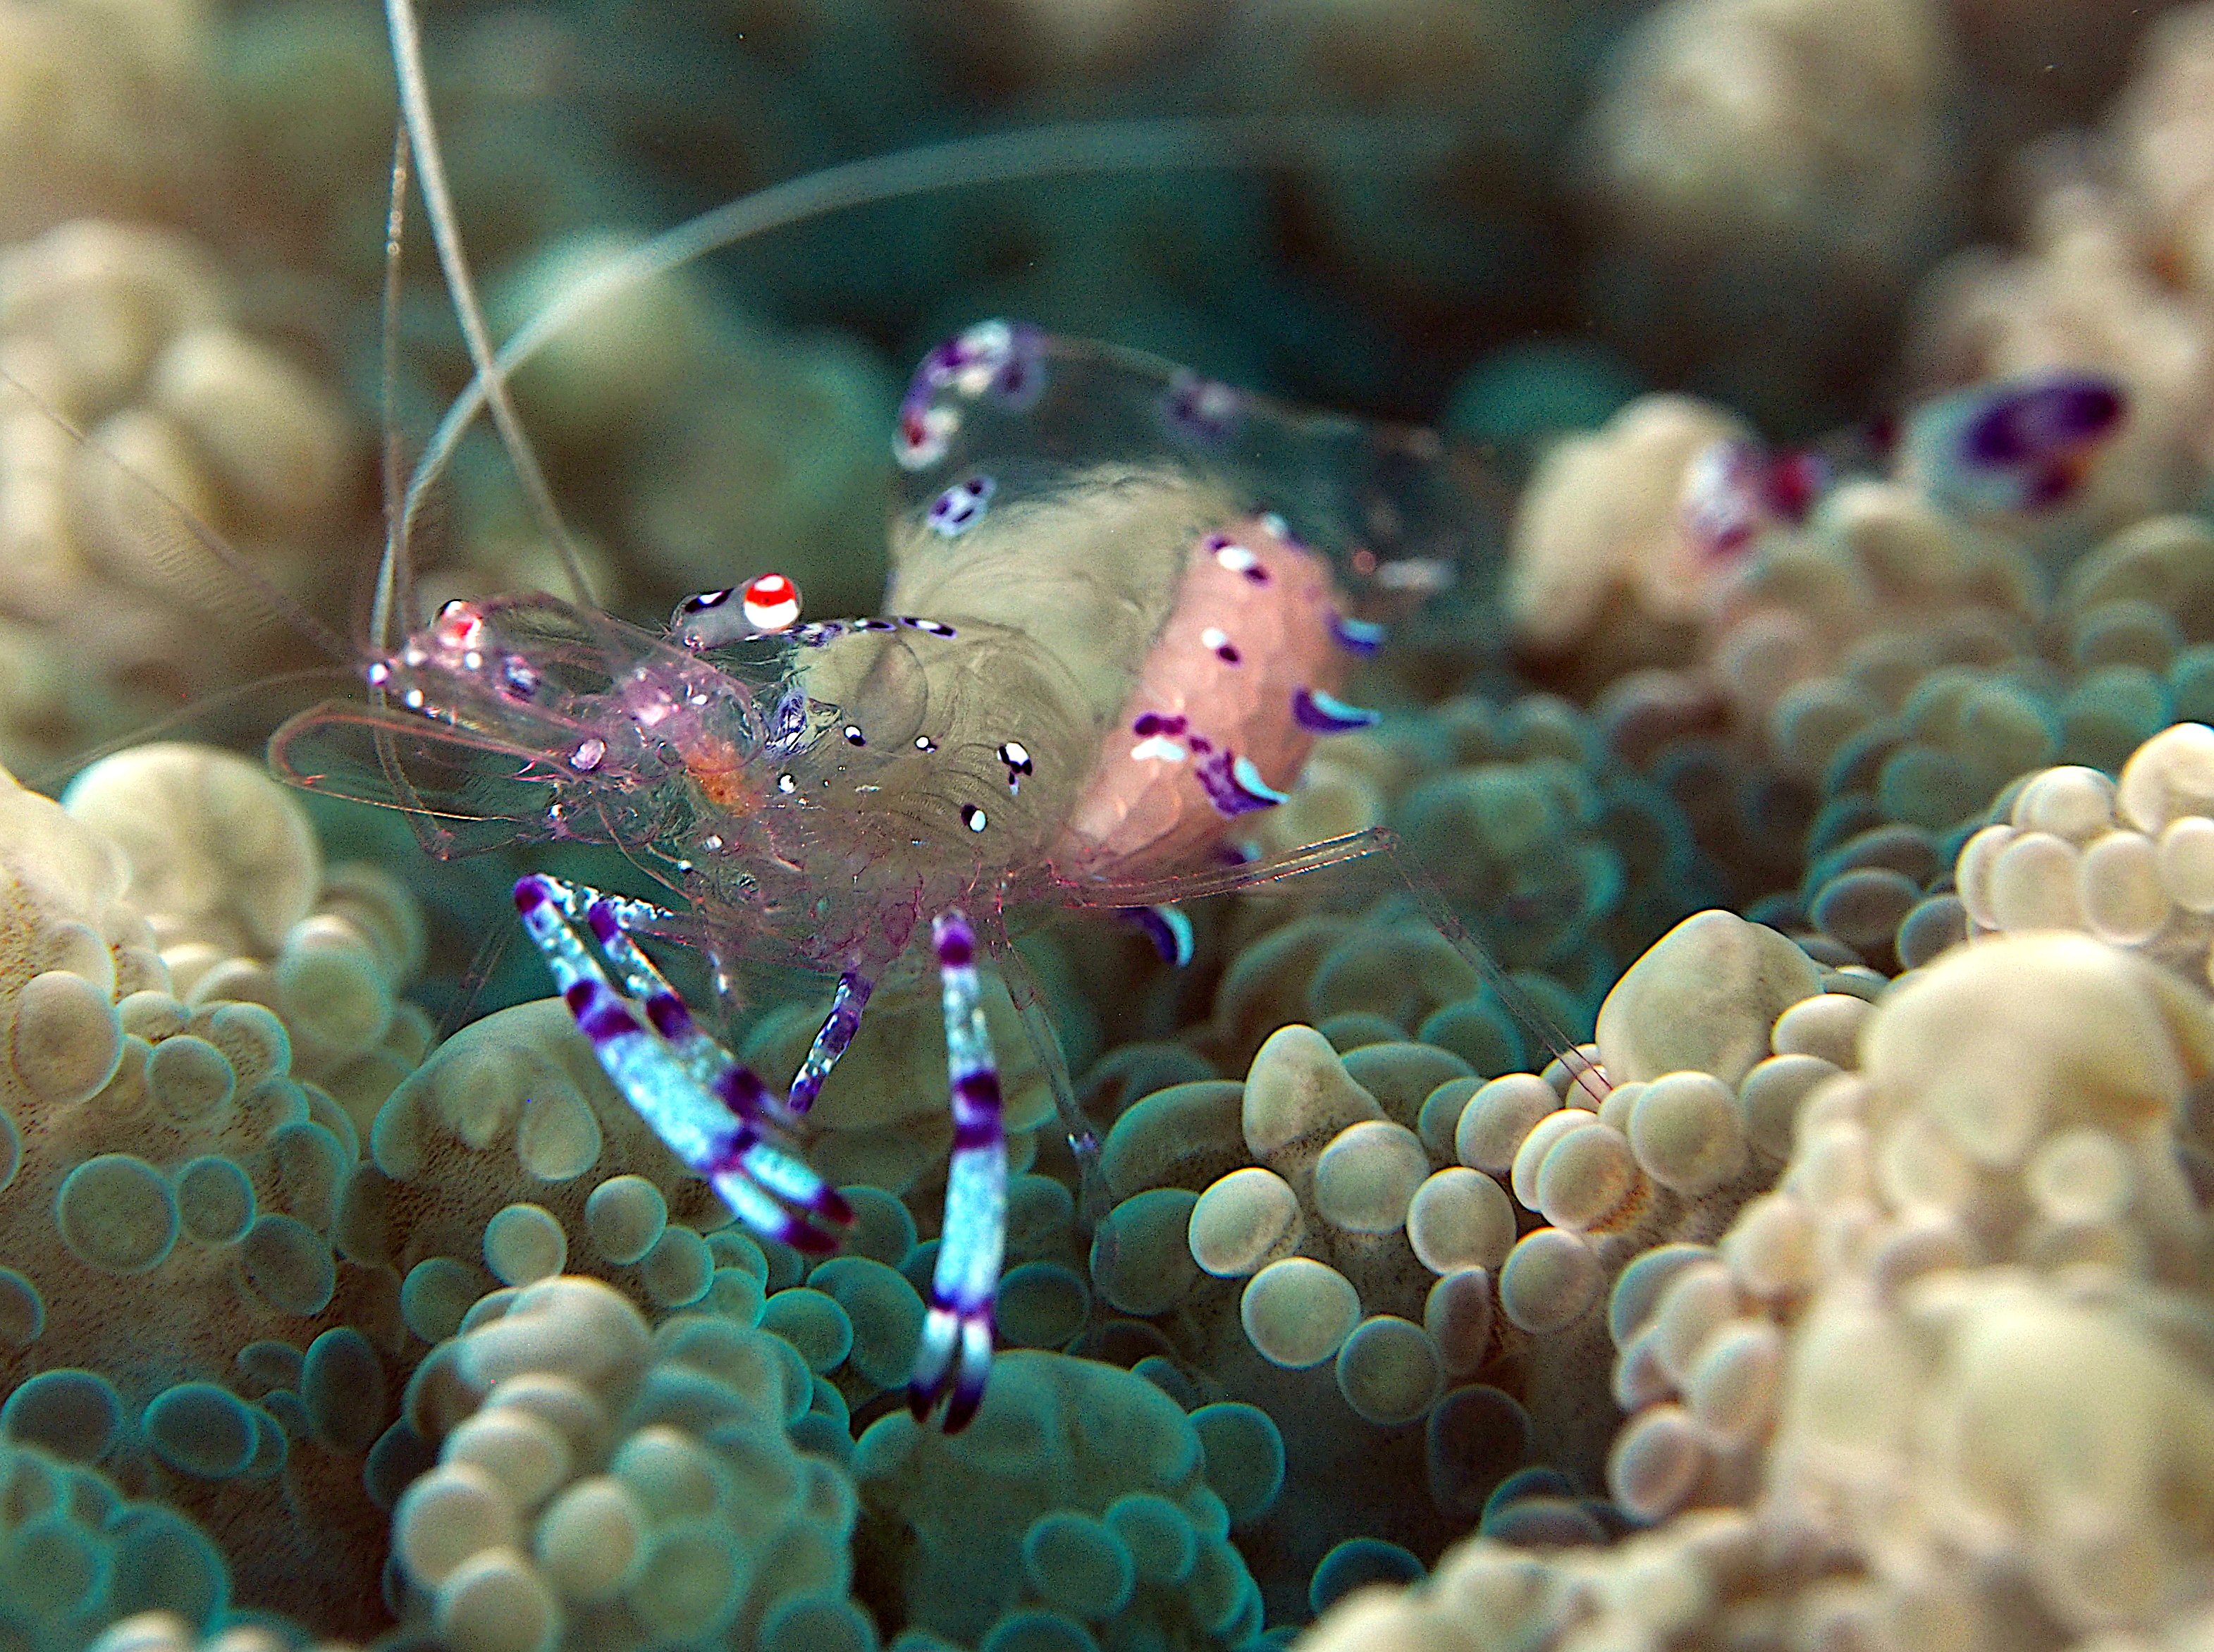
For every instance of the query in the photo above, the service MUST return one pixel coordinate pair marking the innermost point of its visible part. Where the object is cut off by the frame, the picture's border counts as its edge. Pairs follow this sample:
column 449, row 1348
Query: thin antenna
column 396, row 573
column 998, row 158
column 446, row 232
column 236, row 560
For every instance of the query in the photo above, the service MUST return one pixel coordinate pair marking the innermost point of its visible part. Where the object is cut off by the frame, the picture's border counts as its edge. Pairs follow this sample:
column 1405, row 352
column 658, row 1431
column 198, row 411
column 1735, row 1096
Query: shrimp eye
column 771, row 602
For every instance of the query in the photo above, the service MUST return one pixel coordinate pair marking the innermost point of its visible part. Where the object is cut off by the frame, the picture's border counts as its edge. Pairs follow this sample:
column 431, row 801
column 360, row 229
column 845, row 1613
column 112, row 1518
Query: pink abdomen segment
column 1239, row 680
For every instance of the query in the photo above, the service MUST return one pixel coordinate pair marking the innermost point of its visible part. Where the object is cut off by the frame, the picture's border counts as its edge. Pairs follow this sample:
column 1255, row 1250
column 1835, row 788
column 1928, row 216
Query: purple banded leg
column 705, row 1106
column 837, row 1031
column 955, row 1357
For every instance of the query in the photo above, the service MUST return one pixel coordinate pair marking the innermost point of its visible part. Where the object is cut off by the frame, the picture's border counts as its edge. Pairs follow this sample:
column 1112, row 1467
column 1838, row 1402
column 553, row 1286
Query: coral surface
column 1731, row 1169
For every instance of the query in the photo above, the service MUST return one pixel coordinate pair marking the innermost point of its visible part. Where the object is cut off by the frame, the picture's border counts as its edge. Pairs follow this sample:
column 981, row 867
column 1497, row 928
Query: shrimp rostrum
column 1124, row 603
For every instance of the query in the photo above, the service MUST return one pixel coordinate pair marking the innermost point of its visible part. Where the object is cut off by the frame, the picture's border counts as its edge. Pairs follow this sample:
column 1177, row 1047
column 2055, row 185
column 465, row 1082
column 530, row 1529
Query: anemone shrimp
column 1123, row 602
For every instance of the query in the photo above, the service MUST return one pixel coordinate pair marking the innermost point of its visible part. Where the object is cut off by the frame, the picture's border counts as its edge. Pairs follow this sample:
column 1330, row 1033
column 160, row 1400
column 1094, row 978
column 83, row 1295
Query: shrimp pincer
column 1125, row 600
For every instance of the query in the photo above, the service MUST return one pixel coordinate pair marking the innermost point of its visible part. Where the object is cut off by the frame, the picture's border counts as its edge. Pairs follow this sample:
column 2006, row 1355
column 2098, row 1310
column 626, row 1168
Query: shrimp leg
column 837, row 1031
column 955, row 1357
column 709, row 1108
column 1384, row 846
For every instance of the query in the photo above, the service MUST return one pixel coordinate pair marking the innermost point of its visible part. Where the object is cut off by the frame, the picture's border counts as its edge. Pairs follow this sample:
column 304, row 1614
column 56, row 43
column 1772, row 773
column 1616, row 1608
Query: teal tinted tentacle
column 705, row 1106
column 954, row 1360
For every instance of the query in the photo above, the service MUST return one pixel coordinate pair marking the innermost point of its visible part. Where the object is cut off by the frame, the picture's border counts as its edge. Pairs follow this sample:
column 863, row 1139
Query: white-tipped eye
column 770, row 602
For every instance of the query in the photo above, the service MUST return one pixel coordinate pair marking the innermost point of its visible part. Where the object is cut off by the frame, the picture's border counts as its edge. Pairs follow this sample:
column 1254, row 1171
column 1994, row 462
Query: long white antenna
column 998, row 158
column 490, row 382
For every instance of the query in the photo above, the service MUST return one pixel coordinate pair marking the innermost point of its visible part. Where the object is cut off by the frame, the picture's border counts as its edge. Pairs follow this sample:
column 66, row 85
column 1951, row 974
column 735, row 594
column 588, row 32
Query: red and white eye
column 770, row 602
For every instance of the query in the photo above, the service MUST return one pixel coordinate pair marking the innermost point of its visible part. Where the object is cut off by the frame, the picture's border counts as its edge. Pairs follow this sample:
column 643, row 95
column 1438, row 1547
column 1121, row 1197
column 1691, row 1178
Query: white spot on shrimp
column 1216, row 639
column 853, row 735
column 973, row 817
column 924, row 742
column 786, row 784
column 413, row 700
column 592, row 751
column 1017, row 757
column 1239, row 558
column 1159, row 749
column 961, row 507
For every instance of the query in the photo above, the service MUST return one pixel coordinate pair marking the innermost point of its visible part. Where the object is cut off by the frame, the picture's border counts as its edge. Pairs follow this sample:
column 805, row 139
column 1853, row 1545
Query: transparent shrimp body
column 1124, row 603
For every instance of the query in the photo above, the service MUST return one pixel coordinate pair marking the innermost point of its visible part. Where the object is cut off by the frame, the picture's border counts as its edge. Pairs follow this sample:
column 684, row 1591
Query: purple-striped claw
column 954, row 1359
column 952, row 1364
column 710, row 1111
column 1327, row 714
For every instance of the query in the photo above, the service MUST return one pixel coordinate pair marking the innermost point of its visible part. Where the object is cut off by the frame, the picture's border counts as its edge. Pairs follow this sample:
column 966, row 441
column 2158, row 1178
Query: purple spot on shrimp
column 1021, row 378
column 1200, row 742
column 1234, row 785
column 2034, row 422
column 1202, row 411
column 961, row 507
column 929, row 628
column 1356, row 636
column 876, row 625
column 1238, row 559
column 602, row 918
column 605, row 1022
column 1147, row 723
column 579, row 997
column 978, row 1091
column 811, row 1240
column 1327, row 714
column 529, row 895
column 956, row 948
column 517, row 678
column 1168, row 929
column 731, row 1156
column 670, row 1017
column 742, row 1092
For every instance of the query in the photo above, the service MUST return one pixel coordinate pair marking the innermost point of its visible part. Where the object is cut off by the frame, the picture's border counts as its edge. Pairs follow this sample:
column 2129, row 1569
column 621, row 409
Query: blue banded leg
column 837, row 1031
column 707, row 1107
column 955, row 1357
